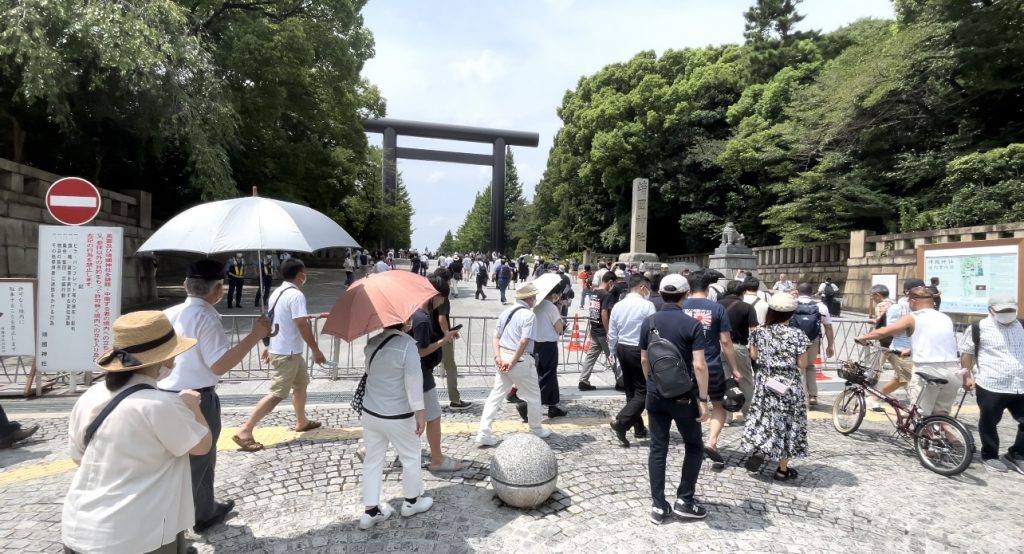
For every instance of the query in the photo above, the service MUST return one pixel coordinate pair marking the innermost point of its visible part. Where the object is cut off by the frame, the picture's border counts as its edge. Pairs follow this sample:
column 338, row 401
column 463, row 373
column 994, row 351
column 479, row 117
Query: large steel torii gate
column 499, row 138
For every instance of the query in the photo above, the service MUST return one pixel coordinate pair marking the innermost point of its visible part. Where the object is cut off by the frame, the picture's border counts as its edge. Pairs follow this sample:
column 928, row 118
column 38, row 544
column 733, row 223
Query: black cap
column 207, row 270
column 912, row 283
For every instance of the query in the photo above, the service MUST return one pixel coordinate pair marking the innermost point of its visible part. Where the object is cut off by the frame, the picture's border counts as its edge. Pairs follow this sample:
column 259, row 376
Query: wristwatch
column 705, row 399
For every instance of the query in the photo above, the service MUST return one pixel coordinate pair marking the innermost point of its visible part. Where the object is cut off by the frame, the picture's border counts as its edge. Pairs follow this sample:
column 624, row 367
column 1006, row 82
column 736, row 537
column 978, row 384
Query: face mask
column 1006, row 318
column 164, row 373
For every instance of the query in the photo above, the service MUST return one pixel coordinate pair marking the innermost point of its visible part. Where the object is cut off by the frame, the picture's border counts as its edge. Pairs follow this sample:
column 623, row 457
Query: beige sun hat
column 141, row 340
column 782, row 302
column 526, row 291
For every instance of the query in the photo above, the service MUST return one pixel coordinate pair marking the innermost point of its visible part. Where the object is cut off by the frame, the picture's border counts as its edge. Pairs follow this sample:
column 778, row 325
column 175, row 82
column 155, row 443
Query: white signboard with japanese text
column 79, row 295
column 969, row 275
column 17, row 317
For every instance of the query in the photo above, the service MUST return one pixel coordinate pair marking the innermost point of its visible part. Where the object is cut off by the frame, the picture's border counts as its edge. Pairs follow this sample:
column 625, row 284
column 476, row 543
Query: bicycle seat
column 931, row 380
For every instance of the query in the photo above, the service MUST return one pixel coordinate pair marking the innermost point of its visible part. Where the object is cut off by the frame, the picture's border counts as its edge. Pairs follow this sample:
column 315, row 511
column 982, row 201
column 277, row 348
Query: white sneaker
column 543, row 433
column 423, row 503
column 366, row 520
column 486, row 440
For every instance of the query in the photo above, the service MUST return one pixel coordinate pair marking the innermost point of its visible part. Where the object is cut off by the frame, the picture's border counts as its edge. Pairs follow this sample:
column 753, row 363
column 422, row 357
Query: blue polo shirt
column 678, row 328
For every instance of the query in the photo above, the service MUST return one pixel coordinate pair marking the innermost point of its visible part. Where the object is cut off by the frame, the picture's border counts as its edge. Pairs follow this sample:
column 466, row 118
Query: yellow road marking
column 272, row 436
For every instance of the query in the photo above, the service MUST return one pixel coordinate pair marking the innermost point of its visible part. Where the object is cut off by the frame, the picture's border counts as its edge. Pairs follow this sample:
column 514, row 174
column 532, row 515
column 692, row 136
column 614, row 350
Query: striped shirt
column 1000, row 358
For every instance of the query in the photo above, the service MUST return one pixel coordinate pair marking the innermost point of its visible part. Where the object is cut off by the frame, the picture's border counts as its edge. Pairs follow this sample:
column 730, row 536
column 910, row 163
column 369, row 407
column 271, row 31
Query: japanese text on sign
column 17, row 318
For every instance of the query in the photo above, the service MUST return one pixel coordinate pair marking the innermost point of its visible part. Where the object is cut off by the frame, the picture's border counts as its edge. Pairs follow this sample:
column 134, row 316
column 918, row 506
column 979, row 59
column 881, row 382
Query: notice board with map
column 970, row 272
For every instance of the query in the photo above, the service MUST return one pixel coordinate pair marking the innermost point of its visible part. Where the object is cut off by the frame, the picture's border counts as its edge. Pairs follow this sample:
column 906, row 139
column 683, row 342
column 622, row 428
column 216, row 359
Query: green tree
column 365, row 214
column 771, row 19
column 448, row 246
column 475, row 232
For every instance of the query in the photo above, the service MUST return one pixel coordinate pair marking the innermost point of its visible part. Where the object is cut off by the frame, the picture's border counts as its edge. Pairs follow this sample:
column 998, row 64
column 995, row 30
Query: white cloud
column 485, row 68
column 435, row 177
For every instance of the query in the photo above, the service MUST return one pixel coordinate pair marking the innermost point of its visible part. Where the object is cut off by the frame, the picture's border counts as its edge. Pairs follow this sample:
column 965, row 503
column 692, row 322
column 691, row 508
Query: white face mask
column 1006, row 318
column 164, row 373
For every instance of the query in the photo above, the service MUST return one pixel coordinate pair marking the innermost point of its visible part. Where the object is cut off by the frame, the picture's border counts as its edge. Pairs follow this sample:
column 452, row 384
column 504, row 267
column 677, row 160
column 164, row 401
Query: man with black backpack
column 680, row 396
column 479, row 271
column 827, row 292
column 811, row 316
column 503, row 276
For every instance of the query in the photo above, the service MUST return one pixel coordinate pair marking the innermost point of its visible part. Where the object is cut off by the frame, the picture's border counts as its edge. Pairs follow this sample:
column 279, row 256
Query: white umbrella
column 247, row 224
column 545, row 284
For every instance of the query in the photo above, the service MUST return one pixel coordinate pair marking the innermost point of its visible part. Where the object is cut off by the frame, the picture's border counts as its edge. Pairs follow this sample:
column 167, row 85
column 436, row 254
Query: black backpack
column 830, row 291
column 481, row 270
column 668, row 369
column 807, row 318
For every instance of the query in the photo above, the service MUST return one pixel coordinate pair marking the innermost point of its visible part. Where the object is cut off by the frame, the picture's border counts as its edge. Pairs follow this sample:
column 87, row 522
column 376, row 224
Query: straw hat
column 141, row 340
column 526, row 291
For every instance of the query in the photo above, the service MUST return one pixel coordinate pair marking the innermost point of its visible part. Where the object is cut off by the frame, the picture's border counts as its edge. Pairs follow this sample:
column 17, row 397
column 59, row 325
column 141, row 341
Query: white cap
column 674, row 283
column 1001, row 302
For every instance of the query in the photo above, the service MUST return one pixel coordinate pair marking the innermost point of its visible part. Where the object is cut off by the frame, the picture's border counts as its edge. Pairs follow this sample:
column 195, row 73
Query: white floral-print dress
column 776, row 426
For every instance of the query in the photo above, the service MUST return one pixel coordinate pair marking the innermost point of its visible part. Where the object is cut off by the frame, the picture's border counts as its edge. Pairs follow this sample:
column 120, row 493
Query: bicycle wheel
column 848, row 411
column 944, row 445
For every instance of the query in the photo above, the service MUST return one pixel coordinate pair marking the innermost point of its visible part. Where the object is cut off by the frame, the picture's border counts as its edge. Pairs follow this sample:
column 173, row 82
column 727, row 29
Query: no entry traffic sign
column 73, row 201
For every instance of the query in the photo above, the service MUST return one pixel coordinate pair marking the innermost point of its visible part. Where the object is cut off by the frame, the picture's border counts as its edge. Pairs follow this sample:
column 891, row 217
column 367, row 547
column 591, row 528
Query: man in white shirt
column 381, row 266
column 286, row 355
column 624, row 340
column 751, row 295
column 783, row 284
column 549, row 329
column 805, row 307
column 512, row 344
column 200, row 369
column 996, row 344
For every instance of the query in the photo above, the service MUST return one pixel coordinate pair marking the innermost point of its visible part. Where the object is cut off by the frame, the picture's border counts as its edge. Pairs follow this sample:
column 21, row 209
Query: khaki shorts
column 902, row 367
column 288, row 371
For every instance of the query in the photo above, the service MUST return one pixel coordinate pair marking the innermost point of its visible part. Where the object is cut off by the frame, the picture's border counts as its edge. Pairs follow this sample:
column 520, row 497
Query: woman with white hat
column 133, row 490
column 776, row 427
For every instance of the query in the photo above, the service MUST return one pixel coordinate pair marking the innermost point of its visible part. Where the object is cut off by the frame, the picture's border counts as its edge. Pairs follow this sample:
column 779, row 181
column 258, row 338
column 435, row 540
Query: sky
column 507, row 65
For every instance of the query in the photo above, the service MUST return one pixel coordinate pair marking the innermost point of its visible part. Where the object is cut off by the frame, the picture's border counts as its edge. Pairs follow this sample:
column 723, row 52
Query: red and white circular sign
column 73, row 201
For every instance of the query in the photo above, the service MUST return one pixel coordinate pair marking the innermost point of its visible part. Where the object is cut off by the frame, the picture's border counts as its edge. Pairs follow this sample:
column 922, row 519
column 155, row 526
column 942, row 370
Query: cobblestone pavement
column 863, row 493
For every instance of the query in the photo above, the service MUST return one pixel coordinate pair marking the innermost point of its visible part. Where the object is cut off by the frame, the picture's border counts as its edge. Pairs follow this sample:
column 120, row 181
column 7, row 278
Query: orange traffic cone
column 819, row 375
column 575, row 341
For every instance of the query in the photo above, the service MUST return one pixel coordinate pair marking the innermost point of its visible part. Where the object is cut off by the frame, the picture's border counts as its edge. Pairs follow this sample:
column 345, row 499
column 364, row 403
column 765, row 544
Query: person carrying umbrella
column 285, row 355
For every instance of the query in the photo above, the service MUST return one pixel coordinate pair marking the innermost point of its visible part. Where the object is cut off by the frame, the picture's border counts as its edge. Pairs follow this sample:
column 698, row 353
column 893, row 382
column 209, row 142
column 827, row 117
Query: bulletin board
column 970, row 272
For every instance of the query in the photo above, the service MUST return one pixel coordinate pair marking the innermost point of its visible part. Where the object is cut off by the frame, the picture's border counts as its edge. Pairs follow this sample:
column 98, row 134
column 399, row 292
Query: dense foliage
column 474, row 235
column 192, row 99
column 797, row 136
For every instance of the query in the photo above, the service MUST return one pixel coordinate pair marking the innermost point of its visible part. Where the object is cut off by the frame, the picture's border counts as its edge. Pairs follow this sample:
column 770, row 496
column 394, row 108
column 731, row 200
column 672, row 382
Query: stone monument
column 524, row 470
column 638, row 225
column 733, row 254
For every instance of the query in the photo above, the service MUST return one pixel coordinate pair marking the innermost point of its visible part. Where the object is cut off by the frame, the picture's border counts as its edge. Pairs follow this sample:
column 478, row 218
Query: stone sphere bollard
column 524, row 470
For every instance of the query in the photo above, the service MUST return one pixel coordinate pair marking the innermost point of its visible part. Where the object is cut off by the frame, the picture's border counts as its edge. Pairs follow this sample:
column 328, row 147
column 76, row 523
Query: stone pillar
column 638, row 225
column 858, row 242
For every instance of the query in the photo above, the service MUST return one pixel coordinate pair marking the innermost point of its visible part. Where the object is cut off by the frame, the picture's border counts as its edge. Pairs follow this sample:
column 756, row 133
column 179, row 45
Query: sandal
column 309, row 426
column 787, row 475
column 247, row 445
column 448, row 465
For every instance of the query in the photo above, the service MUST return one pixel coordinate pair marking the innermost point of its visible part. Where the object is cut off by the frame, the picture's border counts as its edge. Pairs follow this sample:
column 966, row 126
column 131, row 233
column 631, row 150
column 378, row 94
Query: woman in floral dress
column 776, row 428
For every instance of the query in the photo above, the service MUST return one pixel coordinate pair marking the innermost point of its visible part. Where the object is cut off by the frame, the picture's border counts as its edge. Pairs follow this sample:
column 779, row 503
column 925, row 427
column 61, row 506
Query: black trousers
column 547, row 366
column 264, row 291
column 480, row 282
column 992, row 405
column 235, row 291
column 203, row 466
column 661, row 413
column 7, row 428
column 631, row 415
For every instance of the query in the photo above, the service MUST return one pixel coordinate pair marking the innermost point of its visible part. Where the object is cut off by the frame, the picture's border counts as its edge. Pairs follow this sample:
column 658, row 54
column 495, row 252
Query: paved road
column 863, row 493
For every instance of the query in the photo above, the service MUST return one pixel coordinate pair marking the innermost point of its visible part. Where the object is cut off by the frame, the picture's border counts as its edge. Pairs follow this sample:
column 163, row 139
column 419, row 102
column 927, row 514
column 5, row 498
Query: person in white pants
column 513, row 343
column 393, row 413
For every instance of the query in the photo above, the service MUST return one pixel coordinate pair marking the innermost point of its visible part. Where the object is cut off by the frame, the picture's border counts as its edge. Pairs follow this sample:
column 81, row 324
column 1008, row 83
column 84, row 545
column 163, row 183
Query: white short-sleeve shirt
column 292, row 305
column 547, row 316
column 513, row 327
column 133, row 491
column 197, row 319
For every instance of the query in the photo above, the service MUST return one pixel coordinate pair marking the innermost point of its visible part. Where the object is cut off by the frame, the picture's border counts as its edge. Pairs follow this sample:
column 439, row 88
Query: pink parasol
column 377, row 301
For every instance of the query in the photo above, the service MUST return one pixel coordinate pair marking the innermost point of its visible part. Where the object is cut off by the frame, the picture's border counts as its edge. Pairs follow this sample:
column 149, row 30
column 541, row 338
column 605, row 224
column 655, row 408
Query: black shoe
column 659, row 515
column 521, row 408
column 512, row 398
column 754, row 463
column 714, row 455
column 586, row 386
column 222, row 511
column 555, row 411
column 688, row 510
column 620, row 434
column 640, row 433
column 21, row 434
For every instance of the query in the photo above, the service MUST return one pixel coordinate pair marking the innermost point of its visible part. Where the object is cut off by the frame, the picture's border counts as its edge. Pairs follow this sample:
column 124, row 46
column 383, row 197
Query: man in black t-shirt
column 687, row 334
column 600, row 303
column 742, row 318
column 429, row 340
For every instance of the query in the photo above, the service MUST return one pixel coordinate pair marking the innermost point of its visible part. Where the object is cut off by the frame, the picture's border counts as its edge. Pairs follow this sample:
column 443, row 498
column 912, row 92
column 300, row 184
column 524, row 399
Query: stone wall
column 811, row 263
column 23, row 209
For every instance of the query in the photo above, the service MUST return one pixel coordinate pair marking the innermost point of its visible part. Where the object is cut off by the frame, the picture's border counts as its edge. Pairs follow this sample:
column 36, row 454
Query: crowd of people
column 146, row 455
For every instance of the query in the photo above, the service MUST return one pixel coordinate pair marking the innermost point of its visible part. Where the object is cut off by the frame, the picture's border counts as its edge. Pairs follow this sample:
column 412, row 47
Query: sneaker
column 422, row 504
column 543, row 433
column 875, row 406
column 555, row 411
column 460, row 405
column 995, row 465
column 367, row 521
column 486, row 440
column 659, row 515
column 1014, row 462
column 512, row 398
column 585, row 386
column 688, row 510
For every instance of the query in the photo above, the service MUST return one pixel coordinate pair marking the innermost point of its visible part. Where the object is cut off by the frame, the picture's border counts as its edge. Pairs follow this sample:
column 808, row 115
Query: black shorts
column 716, row 383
